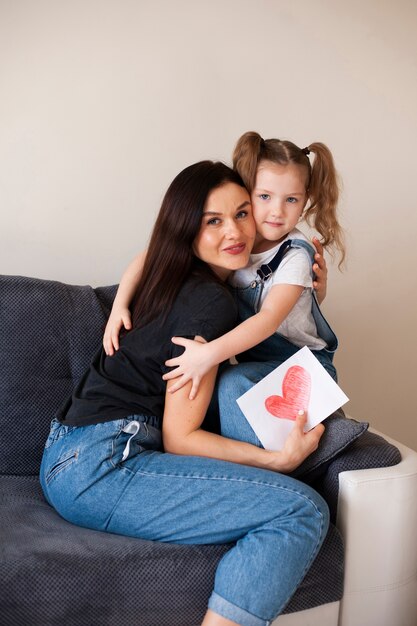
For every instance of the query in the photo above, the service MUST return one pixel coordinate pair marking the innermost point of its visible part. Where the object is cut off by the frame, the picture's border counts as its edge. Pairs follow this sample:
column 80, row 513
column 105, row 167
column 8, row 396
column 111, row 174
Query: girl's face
column 227, row 230
column 278, row 200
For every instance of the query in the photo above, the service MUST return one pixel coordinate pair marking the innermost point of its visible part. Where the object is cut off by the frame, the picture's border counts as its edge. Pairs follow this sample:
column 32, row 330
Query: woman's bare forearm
column 182, row 434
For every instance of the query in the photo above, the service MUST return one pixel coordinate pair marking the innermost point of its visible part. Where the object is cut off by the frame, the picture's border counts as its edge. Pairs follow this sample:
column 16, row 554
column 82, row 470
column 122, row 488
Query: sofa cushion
column 73, row 575
column 340, row 432
column 48, row 334
column 367, row 452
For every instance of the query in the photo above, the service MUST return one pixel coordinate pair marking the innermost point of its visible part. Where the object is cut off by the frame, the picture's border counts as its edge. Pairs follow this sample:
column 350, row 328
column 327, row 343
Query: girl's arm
column 200, row 358
column 320, row 270
column 120, row 314
column 181, row 434
column 197, row 359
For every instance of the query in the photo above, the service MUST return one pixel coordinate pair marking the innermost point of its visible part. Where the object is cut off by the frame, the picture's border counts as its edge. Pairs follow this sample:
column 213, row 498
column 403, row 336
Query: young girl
column 278, row 306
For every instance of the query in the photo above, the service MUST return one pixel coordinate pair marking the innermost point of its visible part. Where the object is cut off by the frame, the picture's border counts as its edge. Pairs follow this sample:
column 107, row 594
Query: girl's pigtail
column 323, row 193
column 246, row 157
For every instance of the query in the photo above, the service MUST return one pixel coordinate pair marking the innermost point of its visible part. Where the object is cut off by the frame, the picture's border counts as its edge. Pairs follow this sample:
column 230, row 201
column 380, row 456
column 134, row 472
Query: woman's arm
column 200, row 358
column 120, row 314
column 182, row 434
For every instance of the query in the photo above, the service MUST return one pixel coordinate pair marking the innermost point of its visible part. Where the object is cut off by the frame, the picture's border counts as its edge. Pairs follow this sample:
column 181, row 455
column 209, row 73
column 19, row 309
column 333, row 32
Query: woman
column 103, row 462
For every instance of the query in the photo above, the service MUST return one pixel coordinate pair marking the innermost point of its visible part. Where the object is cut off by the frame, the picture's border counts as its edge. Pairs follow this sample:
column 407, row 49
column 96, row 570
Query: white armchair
column 377, row 517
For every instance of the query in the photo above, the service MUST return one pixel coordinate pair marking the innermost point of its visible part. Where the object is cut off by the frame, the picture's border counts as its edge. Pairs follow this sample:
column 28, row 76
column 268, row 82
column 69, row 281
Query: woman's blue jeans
column 94, row 479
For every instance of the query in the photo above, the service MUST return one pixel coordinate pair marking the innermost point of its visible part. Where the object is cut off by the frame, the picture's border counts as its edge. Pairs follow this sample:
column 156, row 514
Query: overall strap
column 266, row 270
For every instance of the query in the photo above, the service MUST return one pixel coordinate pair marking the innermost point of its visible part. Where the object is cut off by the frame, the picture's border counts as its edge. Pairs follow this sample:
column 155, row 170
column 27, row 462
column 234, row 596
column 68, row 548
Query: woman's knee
column 300, row 504
column 313, row 511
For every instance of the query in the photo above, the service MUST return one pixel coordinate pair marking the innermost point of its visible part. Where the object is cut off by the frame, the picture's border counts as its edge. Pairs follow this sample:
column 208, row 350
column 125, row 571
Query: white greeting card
column 300, row 383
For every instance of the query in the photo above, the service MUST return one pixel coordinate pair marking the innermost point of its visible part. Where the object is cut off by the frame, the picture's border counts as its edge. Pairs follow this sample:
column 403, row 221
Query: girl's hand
column 299, row 445
column 193, row 364
column 320, row 270
column 117, row 319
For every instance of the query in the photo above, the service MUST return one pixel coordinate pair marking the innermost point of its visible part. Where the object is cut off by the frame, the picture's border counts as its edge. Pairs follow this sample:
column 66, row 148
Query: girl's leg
column 234, row 381
column 326, row 359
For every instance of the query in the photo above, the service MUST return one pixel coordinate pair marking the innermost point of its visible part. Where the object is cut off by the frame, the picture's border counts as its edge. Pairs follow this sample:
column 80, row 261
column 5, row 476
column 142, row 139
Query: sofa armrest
column 377, row 516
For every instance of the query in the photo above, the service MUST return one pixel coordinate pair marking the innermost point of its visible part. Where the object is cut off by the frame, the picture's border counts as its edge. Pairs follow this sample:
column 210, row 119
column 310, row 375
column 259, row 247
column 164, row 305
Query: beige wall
column 102, row 102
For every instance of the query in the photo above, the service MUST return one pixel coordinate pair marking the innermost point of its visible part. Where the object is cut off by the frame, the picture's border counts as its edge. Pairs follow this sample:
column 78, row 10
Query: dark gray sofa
column 54, row 573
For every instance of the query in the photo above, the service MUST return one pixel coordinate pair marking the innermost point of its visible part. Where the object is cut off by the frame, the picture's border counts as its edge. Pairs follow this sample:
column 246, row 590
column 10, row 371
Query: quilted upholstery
column 48, row 333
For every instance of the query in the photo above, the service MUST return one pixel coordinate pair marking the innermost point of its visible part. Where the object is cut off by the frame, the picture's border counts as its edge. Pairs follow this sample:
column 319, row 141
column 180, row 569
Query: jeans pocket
column 63, row 463
column 127, row 441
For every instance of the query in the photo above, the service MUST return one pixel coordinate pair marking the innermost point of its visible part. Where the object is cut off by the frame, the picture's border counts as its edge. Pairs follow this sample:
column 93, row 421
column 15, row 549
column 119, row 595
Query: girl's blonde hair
column 322, row 180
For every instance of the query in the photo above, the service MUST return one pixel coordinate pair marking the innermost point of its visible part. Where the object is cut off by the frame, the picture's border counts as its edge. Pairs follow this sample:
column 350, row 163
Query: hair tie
column 306, row 151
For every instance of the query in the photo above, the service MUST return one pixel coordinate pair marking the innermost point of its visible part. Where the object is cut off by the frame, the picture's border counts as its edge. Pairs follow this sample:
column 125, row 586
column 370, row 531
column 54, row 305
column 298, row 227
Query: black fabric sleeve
column 212, row 313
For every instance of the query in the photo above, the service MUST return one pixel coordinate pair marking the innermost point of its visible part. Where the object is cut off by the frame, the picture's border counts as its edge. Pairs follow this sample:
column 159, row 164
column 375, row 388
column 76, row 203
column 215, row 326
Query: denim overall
column 278, row 348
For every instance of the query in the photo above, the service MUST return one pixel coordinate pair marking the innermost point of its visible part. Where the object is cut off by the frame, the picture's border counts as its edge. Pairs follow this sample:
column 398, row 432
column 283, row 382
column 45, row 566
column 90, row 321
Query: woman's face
column 227, row 230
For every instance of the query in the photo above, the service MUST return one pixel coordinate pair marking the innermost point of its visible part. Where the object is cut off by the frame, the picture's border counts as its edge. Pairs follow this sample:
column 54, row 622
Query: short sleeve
column 295, row 269
column 209, row 311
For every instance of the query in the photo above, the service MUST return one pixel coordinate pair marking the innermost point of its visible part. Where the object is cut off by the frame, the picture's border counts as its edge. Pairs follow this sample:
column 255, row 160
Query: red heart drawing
column 296, row 388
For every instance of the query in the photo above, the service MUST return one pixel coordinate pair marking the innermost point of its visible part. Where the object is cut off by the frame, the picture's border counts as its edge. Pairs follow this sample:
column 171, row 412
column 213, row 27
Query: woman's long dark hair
column 170, row 258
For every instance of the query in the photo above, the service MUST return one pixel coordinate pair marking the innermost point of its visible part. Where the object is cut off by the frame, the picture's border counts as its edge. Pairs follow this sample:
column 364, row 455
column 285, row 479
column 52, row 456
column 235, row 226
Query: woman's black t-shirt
column 130, row 382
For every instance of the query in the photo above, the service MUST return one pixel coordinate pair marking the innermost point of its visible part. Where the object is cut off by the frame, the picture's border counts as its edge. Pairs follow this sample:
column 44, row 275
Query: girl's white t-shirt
column 295, row 269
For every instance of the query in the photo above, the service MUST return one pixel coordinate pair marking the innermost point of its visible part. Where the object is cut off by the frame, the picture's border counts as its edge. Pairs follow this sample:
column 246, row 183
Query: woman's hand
column 299, row 445
column 320, row 270
column 118, row 318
